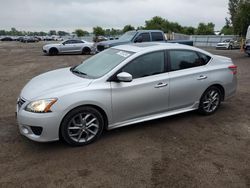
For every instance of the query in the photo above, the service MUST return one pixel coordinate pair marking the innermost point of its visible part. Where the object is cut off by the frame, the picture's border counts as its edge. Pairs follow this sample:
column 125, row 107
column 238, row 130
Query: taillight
column 233, row 68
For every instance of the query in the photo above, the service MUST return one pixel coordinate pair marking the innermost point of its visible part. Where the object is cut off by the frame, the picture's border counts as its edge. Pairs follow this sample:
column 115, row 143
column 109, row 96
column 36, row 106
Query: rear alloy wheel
column 82, row 126
column 210, row 101
column 86, row 51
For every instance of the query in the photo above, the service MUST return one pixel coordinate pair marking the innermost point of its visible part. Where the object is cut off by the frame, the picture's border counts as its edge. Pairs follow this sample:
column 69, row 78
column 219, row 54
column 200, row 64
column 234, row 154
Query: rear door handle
column 202, row 77
column 159, row 85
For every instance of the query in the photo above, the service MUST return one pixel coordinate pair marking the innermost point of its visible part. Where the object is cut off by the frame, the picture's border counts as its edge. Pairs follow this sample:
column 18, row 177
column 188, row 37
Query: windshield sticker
column 123, row 54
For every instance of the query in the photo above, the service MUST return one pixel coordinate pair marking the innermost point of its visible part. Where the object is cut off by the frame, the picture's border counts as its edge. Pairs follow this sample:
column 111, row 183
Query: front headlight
column 40, row 106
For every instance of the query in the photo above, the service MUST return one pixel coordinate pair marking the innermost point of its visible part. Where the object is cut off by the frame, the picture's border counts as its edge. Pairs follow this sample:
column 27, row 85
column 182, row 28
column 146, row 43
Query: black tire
column 208, row 104
column 230, row 47
column 75, row 133
column 86, row 51
column 53, row 51
column 249, row 55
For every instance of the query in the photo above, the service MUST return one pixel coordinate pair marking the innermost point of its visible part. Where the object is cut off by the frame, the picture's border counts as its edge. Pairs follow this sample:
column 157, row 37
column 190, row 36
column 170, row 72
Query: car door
column 69, row 46
column 79, row 46
column 148, row 92
column 66, row 46
column 188, row 76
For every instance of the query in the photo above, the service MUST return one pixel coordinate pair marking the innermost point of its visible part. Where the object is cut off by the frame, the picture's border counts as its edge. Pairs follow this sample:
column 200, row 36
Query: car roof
column 142, row 31
column 154, row 46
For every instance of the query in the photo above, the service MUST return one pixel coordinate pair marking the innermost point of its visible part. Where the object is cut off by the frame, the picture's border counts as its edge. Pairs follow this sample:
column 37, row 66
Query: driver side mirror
column 138, row 39
column 124, row 77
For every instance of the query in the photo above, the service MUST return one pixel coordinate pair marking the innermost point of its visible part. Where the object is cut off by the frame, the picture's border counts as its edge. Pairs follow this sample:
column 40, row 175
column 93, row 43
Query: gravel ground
column 186, row 150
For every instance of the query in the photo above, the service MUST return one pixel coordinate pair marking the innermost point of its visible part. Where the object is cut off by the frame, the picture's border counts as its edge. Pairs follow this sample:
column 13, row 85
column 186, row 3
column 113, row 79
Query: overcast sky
column 68, row 15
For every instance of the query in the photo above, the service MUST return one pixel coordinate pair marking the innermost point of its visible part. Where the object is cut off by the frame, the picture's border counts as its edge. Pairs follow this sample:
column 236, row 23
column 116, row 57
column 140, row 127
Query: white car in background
column 72, row 46
column 228, row 44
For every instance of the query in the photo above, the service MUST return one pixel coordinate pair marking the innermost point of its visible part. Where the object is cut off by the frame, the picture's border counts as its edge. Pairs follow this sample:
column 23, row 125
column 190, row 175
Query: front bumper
column 221, row 47
column 40, row 127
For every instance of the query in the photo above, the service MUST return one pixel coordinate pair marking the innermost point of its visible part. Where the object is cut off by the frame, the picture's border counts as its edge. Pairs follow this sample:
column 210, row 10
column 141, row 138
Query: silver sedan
column 120, row 86
column 72, row 46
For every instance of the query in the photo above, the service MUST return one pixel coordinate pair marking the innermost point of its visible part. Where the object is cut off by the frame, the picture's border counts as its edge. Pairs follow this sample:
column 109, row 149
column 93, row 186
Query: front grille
column 20, row 102
column 36, row 130
column 100, row 48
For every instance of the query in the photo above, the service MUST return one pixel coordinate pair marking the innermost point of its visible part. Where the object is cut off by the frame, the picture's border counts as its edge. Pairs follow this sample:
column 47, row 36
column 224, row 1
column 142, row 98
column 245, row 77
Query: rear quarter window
column 204, row 58
column 185, row 59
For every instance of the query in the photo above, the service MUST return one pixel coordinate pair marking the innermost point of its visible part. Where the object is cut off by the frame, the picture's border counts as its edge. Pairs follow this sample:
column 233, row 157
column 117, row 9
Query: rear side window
column 184, row 59
column 146, row 65
column 157, row 36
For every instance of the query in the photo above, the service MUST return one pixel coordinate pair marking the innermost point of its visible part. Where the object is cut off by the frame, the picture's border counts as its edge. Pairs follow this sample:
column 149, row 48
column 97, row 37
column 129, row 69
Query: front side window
column 146, row 65
column 101, row 63
column 145, row 37
column 68, row 42
column 183, row 59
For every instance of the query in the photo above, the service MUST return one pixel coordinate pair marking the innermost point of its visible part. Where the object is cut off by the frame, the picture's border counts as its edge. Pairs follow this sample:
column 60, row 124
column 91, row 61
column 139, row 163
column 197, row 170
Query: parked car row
column 31, row 38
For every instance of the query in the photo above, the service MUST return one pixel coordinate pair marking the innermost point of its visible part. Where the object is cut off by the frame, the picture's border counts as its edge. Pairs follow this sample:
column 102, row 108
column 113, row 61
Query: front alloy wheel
column 210, row 101
column 82, row 126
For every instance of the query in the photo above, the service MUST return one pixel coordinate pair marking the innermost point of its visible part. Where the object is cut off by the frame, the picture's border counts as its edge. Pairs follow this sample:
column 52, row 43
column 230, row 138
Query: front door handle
column 202, row 77
column 159, row 85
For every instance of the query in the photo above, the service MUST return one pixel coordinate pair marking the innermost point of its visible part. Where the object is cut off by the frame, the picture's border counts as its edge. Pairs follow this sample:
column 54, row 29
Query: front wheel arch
column 53, row 51
column 103, row 113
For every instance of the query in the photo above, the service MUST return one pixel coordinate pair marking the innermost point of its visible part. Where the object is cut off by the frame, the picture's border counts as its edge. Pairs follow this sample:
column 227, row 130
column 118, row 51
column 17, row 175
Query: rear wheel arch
column 220, row 87
column 86, row 50
column 222, row 90
column 211, row 99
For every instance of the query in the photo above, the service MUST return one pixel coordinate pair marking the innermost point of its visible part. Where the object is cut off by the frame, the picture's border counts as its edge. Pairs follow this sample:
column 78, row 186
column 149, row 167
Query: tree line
column 154, row 23
column 237, row 23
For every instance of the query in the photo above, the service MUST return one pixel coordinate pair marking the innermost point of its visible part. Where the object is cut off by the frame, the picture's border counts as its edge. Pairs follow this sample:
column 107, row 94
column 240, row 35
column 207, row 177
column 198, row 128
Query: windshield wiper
column 78, row 72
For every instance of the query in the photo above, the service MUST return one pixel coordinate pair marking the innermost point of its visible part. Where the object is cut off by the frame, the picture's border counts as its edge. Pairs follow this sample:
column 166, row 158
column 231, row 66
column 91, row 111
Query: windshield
column 101, row 63
column 128, row 36
column 228, row 40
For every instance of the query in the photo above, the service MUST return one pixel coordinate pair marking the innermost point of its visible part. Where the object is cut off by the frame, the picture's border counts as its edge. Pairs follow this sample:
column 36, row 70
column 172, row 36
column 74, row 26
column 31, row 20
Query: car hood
column 53, row 84
column 112, row 42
